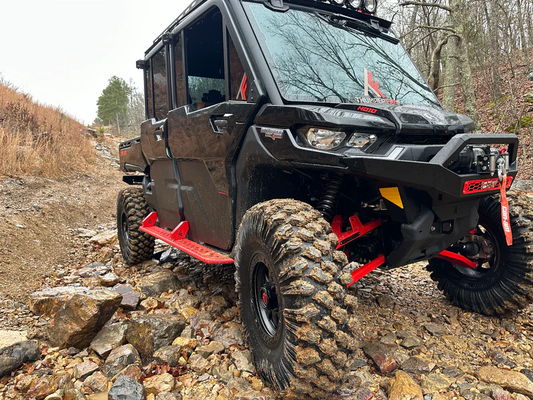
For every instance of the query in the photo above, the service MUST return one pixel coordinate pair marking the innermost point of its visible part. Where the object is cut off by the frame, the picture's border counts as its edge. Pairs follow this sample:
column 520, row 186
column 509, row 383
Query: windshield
column 314, row 59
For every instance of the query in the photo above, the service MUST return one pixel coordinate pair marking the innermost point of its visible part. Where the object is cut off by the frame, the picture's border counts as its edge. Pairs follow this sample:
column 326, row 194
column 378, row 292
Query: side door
column 204, row 134
column 162, row 188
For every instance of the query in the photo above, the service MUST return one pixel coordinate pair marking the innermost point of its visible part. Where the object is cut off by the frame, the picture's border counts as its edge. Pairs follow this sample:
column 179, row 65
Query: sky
column 63, row 52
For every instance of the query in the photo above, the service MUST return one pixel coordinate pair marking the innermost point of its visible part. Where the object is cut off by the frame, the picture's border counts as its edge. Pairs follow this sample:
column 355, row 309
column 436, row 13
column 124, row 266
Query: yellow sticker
column 392, row 195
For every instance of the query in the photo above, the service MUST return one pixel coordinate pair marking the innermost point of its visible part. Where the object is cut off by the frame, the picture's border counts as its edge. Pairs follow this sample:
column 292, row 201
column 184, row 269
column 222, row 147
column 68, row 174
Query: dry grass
column 36, row 139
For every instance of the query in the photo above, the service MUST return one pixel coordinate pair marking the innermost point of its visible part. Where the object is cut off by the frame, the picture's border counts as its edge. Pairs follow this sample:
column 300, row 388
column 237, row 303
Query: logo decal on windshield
column 372, row 85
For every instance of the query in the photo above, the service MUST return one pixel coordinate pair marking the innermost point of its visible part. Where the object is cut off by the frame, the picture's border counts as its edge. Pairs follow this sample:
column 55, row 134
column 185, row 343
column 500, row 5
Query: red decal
column 242, row 91
column 372, row 85
column 367, row 109
column 506, row 220
column 123, row 153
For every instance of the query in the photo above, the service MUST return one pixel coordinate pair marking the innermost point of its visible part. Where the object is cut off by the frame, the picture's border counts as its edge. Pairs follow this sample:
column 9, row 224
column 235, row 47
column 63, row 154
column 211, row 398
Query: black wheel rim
column 124, row 235
column 489, row 232
column 265, row 299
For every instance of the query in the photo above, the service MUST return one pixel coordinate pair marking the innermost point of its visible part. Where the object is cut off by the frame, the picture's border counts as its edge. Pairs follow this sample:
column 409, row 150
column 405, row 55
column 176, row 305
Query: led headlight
column 325, row 139
column 337, row 2
column 371, row 6
column 356, row 4
column 362, row 140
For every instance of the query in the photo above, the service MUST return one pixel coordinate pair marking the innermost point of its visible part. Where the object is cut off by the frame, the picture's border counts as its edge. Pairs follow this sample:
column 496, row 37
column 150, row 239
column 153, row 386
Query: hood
column 371, row 118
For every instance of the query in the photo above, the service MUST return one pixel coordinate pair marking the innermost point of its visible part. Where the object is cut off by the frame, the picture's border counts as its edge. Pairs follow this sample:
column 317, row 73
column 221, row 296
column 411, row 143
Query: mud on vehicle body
column 298, row 140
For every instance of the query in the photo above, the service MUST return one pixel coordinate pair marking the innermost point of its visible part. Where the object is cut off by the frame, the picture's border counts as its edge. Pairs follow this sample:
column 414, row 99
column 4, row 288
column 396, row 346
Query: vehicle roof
column 197, row 3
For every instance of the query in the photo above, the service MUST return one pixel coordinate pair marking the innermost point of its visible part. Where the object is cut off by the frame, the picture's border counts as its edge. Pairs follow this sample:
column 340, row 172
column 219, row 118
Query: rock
column 81, row 318
column 133, row 371
column 120, row 358
column 252, row 395
column 109, row 279
column 74, row 394
column 159, row 282
column 243, row 361
column 213, row 347
column 415, row 365
column 452, row 372
column 110, row 337
column 7, row 338
column 385, row 301
column 381, row 355
column 528, row 373
column 48, row 302
column 85, row 233
column 435, row 329
column 168, row 355
column 497, row 393
column 97, row 382
column 151, row 332
column 410, row 341
column 198, row 363
column 57, row 395
column 44, row 386
column 12, row 357
column 130, row 298
column 126, row 388
column 104, row 238
column 434, row 383
column 93, row 270
column 511, row 380
column 229, row 334
column 389, row 339
column 159, row 384
column 403, row 387
column 499, row 358
column 150, row 304
column 168, row 396
column 84, row 369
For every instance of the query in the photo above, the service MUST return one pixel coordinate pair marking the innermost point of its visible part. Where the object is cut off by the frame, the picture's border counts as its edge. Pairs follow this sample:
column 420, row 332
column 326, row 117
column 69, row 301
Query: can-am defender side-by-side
column 296, row 139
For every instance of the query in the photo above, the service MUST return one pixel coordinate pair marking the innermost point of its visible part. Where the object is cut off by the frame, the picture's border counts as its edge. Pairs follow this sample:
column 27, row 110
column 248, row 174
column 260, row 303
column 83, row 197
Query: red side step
column 177, row 239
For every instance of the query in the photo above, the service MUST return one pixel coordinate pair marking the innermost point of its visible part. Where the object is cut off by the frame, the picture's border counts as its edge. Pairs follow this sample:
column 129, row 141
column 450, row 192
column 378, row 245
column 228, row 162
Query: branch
column 434, row 28
column 421, row 3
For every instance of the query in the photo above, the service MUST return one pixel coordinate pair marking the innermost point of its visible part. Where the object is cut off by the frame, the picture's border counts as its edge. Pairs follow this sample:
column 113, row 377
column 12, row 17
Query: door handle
column 218, row 125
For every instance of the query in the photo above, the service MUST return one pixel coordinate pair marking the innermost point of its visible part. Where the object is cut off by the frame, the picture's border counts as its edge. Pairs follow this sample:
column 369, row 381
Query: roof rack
column 190, row 8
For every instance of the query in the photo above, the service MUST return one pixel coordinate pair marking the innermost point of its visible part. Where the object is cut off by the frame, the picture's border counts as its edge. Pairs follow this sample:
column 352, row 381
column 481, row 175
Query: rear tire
column 293, row 299
column 136, row 246
column 507, row 285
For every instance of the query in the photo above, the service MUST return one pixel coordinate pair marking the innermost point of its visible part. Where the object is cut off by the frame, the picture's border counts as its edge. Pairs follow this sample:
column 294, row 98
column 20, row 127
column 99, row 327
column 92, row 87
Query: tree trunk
column 450, row 74
column 494, row 48
column 522, row 35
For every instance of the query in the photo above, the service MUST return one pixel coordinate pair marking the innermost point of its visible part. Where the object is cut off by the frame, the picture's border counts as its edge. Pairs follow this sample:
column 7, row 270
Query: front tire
column 293, row 307
column 503, row 281
column 136, row 246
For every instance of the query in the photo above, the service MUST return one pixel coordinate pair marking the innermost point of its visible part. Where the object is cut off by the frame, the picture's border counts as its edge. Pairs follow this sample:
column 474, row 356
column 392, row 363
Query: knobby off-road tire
column 287, row 247
column 508, row 285
column 136, row 246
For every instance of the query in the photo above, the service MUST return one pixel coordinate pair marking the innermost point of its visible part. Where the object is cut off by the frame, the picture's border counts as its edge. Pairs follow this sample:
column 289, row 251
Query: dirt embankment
column 40, row 220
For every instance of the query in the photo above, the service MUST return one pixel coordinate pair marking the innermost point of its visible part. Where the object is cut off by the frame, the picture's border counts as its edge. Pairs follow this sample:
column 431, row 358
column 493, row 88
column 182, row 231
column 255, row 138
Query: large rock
column 49, row 301
column 97, row 382
column 81, row 318
column 230, row 334
column 130, row 297
column 151, row 332
column 42, row 387
column 109, row 338
column 382, row 356
column 511, row 380
column 435, row 383
column 12, row 357
column 403, row 387
column 105, row 238
column 158, row 282
column 7, row 338
column 159, row 384
column 168, row 355
column 84, row 369
column 126, row 388
column 120, row 358
column 415, row 365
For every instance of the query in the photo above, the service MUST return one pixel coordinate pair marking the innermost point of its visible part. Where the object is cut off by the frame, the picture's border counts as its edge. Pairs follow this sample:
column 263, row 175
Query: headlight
column 354, row 3
column 362, row 140
column 324, row 139
column 371, row 6
column 337, row 2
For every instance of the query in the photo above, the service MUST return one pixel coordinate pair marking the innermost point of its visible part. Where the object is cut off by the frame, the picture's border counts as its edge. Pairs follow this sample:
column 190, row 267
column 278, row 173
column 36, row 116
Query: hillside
column 37, row 139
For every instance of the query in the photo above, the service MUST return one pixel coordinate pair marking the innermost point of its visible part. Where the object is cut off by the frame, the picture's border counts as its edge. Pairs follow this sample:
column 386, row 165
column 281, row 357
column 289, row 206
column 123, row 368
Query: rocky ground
column 170, row 329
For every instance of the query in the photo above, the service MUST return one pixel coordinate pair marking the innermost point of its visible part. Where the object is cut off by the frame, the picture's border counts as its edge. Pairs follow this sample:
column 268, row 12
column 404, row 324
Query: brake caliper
column 506, row 220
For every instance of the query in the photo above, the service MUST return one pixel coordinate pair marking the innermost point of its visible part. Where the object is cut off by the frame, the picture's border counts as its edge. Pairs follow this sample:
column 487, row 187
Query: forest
column 477, row 56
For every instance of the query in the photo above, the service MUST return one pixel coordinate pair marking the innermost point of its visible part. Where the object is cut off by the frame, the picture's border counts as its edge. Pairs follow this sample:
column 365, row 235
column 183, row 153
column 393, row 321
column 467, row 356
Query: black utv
column 297, row 140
